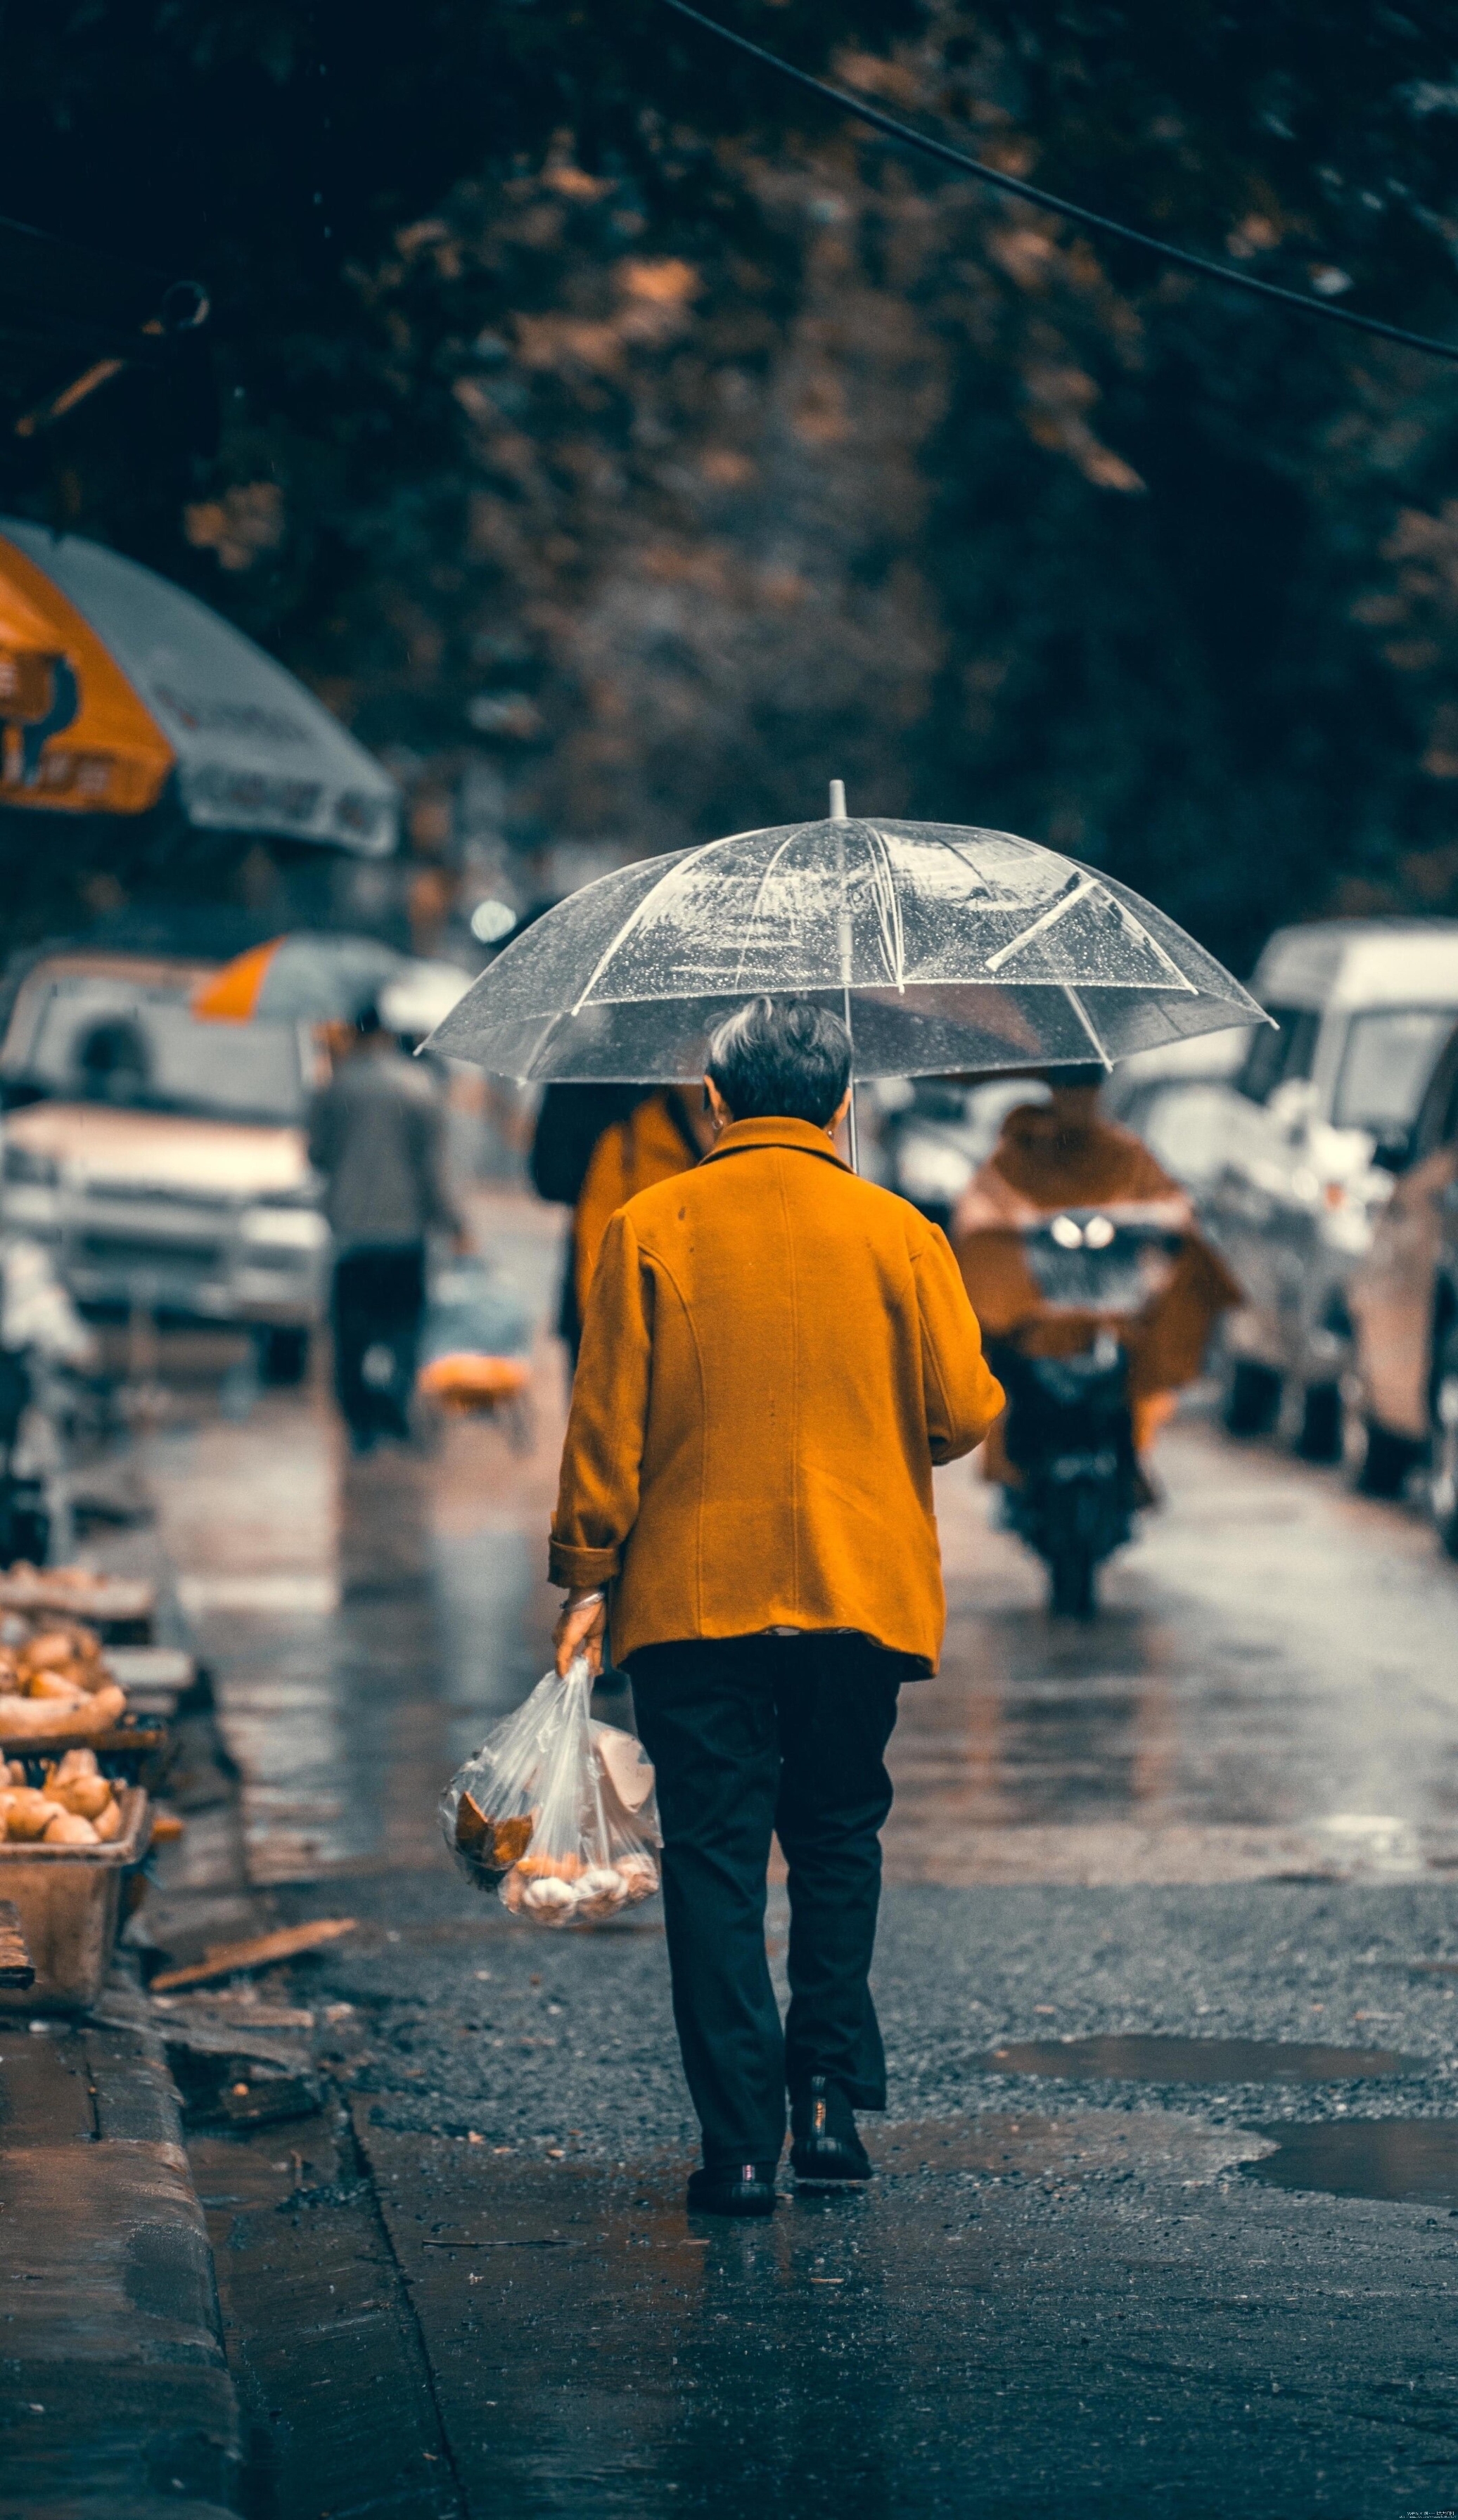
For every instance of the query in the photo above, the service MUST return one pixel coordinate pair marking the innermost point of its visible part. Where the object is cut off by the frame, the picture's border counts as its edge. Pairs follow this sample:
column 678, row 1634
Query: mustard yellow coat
column 774, row 1355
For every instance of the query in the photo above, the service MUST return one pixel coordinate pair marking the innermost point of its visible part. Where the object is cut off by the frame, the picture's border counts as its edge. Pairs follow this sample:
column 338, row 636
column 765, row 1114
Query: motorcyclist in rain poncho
column 1062, row 1155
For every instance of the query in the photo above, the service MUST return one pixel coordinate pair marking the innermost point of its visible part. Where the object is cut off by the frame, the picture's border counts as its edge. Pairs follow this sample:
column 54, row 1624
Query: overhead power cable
column 847, row 102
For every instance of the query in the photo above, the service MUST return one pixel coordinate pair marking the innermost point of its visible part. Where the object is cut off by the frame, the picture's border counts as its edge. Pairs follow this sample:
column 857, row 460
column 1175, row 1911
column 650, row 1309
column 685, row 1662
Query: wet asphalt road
column 1221, row 2283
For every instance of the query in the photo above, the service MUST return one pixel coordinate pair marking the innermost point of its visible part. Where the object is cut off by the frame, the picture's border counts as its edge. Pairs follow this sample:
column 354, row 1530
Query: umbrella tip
column 837, row 800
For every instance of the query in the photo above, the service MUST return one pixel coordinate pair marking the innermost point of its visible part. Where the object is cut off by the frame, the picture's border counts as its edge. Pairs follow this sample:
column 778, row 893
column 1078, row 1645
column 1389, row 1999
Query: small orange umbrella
column 303, row 979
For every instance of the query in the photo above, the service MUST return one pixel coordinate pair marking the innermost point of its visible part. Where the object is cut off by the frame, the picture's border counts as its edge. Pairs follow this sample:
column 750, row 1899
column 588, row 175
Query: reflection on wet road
column 368, row 1621
column 1271, row 1691
column 982, row 2331
column 1091, row 2275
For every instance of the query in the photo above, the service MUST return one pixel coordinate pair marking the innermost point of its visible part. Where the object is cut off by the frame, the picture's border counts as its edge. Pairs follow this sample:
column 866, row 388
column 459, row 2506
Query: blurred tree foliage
column 623, row 443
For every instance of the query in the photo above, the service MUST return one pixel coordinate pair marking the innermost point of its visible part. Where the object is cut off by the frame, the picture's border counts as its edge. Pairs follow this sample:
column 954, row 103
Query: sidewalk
column 117, row 2396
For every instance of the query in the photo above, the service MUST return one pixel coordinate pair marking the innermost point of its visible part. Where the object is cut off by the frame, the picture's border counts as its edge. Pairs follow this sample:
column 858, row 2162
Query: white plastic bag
column 556, row 1813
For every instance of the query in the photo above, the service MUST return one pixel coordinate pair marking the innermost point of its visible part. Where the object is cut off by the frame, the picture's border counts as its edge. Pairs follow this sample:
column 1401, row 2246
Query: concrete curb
column 115, row 2390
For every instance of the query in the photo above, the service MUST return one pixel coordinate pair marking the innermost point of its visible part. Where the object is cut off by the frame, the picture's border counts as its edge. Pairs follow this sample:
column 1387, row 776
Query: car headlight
column 28, row 1164
column 296, row 1230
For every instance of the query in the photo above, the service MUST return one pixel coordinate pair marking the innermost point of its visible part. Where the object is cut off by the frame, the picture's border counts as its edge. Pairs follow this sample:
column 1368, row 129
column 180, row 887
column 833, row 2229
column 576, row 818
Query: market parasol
column 949, row 949
column 113, row 682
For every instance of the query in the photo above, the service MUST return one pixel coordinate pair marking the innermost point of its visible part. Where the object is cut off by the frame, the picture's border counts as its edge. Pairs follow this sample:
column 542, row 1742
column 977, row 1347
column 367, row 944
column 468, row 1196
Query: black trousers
column 378, row 1303
column 750, row 1735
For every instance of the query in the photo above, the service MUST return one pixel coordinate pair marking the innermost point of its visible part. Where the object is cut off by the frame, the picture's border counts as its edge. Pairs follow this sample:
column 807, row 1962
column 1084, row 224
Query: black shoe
column 740, row 2188
column 827, row 2148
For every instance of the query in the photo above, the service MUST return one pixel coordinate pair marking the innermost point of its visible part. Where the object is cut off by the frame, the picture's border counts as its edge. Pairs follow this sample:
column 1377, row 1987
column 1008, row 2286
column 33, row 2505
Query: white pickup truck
column 164, row 1161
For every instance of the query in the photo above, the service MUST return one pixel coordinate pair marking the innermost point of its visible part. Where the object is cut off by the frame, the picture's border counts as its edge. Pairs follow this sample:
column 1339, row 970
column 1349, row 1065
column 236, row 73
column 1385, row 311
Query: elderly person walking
column 774, row 1355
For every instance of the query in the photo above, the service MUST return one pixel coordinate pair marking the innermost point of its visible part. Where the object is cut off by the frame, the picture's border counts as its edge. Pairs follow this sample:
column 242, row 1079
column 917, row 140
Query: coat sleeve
column 597, row 1498
column 963, row 1396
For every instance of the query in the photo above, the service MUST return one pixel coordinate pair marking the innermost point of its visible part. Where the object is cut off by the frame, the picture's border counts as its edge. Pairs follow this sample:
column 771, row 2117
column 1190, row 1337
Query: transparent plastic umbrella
column 949, row 949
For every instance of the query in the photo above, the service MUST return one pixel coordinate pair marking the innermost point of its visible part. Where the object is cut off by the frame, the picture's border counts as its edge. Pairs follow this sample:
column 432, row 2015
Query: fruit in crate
column 76, row 1805
column 55, row 1679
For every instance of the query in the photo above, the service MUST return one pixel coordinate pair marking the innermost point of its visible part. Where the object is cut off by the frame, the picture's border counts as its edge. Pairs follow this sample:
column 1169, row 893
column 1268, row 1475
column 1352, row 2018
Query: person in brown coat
column 1064, row 1154
column 593, row 1148
column 774, row 1355
column 663, row 1135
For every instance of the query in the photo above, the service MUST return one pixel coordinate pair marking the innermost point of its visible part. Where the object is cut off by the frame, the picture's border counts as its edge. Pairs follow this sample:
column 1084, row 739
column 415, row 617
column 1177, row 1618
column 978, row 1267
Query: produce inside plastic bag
column 556, row 1813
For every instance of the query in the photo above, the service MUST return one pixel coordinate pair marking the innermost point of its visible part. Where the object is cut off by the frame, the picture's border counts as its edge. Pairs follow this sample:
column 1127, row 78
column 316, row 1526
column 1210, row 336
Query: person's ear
column 839, row 1111
column 718, row 1108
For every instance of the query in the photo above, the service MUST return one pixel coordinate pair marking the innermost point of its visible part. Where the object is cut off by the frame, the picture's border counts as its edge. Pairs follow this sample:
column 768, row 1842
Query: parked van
column 1178, row 1100
column 1321, row 1125
column 1404, row 1303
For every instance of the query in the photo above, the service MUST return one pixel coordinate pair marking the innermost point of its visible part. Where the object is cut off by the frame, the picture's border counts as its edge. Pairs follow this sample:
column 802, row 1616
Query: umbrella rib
column 1089, row 1026
column 892, row 929
column 1153, row 942
column 543, row 1037
column 788, row 842
column 1085, row 884
column 694, row 857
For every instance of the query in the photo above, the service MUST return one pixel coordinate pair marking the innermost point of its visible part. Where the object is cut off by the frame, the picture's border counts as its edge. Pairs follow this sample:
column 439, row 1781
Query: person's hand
column 581, row 1626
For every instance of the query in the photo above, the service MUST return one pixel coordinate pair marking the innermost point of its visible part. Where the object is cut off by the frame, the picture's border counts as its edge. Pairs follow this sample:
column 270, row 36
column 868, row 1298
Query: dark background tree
column 623, row 443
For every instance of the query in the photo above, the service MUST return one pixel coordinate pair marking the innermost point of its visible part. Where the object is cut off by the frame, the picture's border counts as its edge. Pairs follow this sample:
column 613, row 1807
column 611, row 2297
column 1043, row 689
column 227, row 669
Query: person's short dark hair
column 781, row 1058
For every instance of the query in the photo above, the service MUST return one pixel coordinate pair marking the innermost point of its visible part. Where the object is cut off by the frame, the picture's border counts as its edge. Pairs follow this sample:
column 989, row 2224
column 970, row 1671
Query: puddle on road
column 1151, row 2142
column 1196, row 2060
column 1399, row 2161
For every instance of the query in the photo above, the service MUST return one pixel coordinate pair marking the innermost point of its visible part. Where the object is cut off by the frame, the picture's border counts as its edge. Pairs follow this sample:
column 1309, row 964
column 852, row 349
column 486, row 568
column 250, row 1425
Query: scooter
column 25, row 1512
column 1070, row 1434
column 43, row 1344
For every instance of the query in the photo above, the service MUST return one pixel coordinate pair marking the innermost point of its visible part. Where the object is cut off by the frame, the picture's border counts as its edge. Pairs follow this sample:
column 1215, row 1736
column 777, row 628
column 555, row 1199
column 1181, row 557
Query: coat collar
column 742, row 1137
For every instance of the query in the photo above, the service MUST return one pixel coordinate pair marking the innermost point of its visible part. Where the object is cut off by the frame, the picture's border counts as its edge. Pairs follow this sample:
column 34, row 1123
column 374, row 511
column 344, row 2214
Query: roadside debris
column 226, row 1959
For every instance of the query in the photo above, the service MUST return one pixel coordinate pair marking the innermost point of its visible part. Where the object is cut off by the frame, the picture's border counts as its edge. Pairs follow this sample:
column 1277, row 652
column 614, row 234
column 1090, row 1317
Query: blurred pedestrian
column 377, row 1132
column 774, row 1355
column 1064, row 1153
column 596, row 1147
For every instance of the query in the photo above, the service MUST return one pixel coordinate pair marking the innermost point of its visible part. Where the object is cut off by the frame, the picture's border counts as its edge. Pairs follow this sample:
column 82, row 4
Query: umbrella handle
column 843, row 931
column 855, row 1153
